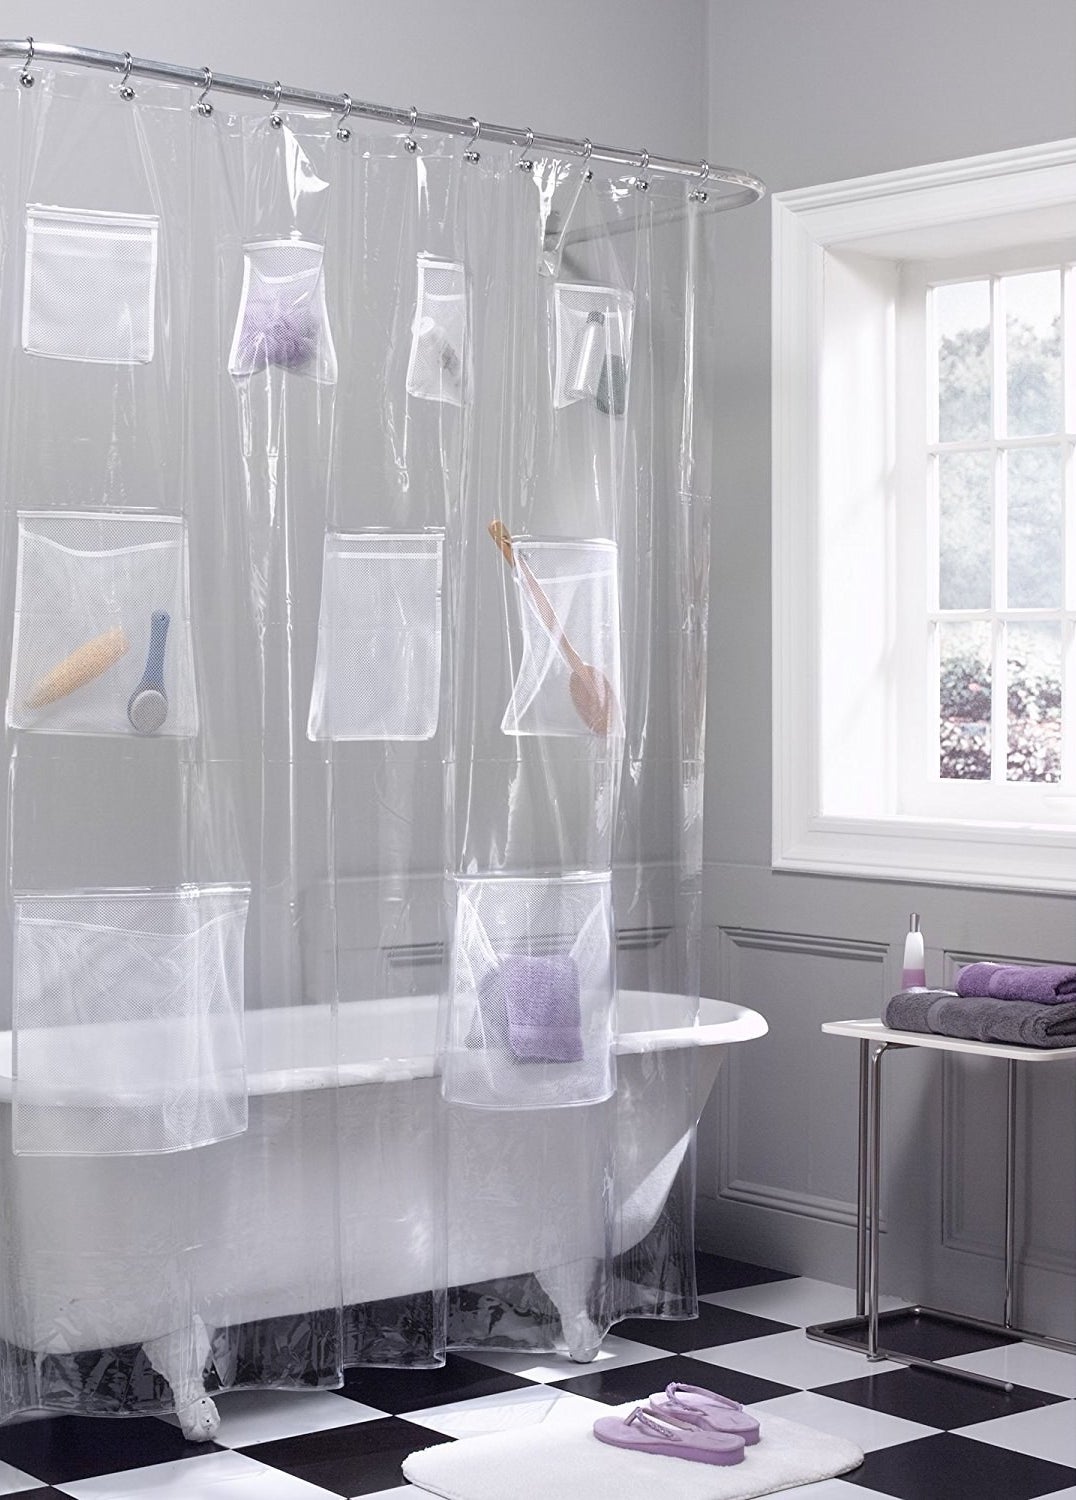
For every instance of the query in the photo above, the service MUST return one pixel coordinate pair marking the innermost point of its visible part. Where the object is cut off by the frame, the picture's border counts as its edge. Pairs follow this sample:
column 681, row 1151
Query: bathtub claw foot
column 584, row 1356
column 200, row 1421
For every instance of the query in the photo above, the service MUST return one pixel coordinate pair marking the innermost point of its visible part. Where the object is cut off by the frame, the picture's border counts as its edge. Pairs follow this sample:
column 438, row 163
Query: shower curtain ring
column 126, row 91
column 471, row 154
column 588, row 149
column 275, row 118
column 641, row 181
column 410, row 144
column 203, row 105
column 26, row 78
column 526, row 163
column 342, row 131
column 700, row 195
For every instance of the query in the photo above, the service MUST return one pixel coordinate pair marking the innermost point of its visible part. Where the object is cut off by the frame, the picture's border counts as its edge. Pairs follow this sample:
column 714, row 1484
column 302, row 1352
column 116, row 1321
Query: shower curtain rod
column 737, row 188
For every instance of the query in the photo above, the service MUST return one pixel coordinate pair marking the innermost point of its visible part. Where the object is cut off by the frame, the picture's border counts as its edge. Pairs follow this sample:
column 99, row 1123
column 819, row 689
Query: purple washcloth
column 1047, row 984
column 533, row 1005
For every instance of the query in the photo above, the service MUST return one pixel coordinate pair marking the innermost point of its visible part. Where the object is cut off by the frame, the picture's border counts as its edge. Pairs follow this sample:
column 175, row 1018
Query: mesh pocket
column 568, row 678
column 102, row 640
column 378, row 669
column 90, row 285
column 593, row 330
column 437, row 368
column 128, row 1021
column 530, row 1018
column 282, row 318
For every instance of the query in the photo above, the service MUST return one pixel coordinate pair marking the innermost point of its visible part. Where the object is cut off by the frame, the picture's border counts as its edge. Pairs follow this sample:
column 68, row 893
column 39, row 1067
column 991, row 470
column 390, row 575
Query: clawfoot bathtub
column 104, row 1242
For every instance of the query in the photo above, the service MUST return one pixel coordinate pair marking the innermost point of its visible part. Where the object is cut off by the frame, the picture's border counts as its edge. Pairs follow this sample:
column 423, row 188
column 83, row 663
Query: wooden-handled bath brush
column 592, row 695
column 83, row 665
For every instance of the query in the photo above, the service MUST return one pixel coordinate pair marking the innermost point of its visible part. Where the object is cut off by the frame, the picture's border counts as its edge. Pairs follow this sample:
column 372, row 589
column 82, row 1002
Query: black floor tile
column 48, row 1493
column 359, row 1459
column 714, row 1325
column 636, row 1382
column 909, row 1332
column 398, row 1391
column 949, row 1467
column 933, row 1399
column 58, row 1450
column 715, row 1273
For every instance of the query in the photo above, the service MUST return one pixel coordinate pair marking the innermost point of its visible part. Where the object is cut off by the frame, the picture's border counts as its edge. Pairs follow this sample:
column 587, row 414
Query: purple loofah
column 276, row 332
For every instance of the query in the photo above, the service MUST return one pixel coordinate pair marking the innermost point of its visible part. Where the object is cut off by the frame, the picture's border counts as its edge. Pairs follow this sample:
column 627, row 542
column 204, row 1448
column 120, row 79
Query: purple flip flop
column 705, row 1409
column 649, row 1434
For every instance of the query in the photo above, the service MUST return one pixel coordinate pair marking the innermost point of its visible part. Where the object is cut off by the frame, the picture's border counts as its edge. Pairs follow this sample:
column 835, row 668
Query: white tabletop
column 874, row 1030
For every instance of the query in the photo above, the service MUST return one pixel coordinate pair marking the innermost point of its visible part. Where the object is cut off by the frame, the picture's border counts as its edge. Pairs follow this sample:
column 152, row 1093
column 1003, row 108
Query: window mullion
column 1000, row 599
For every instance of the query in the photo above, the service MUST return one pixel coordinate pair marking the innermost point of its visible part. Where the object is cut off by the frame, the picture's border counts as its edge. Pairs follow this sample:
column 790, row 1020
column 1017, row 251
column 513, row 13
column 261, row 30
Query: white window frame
column 842, row 253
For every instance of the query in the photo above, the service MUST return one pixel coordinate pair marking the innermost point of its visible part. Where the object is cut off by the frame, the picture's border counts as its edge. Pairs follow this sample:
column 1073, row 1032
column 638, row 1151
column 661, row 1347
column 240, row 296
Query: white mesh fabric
column 90, row 285
column 437, row 367
column 568, row 678
column 87, row 586
column 128, row 1021
column 593, row 337
column 378, row 669
column 531, row 971
column 283, row 320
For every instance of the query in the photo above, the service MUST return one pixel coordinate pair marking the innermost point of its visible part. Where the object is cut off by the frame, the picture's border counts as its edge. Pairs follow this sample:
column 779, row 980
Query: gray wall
column 805, row 93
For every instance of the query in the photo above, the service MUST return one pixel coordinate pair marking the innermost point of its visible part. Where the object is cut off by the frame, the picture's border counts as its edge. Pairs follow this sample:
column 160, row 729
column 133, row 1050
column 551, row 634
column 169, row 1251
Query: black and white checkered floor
column 925, row 1436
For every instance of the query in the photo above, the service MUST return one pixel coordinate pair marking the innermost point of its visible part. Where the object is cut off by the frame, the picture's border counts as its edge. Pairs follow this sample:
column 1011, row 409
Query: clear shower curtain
column 353, row 622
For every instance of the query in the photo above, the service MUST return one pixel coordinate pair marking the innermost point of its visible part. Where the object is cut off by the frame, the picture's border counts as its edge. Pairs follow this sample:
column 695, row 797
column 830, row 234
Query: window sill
column 933, row 851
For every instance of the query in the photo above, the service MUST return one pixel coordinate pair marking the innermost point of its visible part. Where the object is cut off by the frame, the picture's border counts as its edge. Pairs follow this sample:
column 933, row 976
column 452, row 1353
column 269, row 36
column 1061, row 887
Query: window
column 924, row 531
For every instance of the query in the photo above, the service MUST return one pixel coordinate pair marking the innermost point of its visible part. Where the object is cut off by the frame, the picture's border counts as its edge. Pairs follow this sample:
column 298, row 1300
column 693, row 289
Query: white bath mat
column 567, row 1461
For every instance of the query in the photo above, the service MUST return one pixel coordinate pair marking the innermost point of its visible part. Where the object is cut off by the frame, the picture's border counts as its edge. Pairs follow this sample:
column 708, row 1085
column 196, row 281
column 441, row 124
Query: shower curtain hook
column 644, row 162
column 588, row 147
column 203, row 105
column 471, row 154
column 700, row 195
column 410, row 144
column 342, row 131
column 126, row 91
column 526, row 163
column 275, row 119
column 26, row 78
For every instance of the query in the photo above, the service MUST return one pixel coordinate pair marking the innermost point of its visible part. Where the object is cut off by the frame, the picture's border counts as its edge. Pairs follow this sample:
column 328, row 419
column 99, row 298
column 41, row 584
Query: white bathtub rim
column 718, row 1023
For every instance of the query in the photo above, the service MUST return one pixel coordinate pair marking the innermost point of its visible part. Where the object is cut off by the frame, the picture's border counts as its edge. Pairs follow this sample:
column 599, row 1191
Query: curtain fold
column 354, row 590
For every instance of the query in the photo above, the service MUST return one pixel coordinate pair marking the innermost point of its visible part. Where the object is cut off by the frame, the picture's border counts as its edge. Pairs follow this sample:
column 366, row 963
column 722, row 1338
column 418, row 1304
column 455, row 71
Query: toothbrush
column 147, row 708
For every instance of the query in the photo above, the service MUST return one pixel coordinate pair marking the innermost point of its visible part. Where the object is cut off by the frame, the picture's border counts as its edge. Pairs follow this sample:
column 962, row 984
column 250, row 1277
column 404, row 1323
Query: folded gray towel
column 909, row 1010
column 979, row 1018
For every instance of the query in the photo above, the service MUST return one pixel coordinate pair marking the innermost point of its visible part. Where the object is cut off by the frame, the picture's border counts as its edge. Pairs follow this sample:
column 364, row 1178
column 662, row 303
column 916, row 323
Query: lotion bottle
column 913, row 975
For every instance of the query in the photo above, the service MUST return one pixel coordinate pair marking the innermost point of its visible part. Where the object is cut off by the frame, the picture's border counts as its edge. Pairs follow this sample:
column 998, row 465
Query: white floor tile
column 830, row 1489
column 1026, row 1364
column 867, row 1429
column 397, row 1494
column 801, row 1300
column 214, row 1476
column 509, row 1410
column 547, row 1367
column 793, row 1359
column 248, row 1417
column 13, row 1480
column 1047, row 1432
column 1060, row 1495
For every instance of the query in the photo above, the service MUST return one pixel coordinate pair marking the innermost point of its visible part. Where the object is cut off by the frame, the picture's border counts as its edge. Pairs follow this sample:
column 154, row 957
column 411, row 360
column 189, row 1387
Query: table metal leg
column 874, row 1173
column 1010, row 1191
column 861, row 1178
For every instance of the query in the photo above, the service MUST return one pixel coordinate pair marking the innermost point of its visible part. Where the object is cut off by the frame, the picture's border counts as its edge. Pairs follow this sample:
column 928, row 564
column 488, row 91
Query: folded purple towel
column 531, row 1005
column 1048, row 984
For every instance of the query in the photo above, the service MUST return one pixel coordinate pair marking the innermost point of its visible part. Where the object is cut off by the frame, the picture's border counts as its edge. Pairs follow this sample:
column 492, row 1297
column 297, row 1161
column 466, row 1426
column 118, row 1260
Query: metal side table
column 875, row 1041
